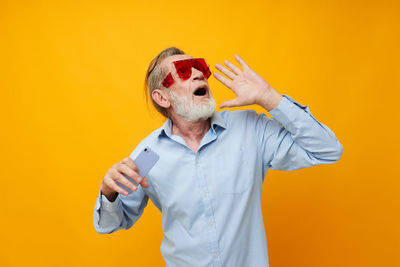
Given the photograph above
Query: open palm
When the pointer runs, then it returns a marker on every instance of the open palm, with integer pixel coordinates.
(248, 86)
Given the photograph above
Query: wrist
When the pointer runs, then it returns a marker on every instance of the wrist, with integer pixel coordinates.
(110, 195)
(270, 99)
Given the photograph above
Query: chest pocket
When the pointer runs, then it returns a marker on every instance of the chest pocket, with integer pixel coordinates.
(233, 172)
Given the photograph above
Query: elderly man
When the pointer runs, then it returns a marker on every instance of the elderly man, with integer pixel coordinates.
(208, 180)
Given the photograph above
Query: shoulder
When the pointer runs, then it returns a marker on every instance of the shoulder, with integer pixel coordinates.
(242, 117)
(148, 141)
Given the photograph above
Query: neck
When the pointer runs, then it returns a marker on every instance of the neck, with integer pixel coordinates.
(193, 131)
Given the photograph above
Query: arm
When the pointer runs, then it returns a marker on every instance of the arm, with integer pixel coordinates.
(115, 209)
(293, 139)
(122, 213)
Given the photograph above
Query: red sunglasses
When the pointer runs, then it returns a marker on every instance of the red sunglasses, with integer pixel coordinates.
(184, 70)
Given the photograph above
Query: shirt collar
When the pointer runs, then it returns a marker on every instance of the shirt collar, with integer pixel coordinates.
(216, 121)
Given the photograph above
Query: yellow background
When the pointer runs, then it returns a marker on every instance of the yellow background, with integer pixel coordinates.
(71, 79)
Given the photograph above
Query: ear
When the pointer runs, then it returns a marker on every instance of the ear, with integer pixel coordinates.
(160, 97)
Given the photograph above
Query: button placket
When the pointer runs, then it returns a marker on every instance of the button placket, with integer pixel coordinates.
(208, 212)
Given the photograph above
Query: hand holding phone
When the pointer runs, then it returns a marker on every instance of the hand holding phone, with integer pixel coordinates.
(125, 176)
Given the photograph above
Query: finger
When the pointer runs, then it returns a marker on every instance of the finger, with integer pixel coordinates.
(225, 71)
(229, 103)
(132, 165)
(241, 62)
(145, 183)
(234, 68)
(123, 168)
(133, 175)
(222, 79)
(110, 183)
(129, 161)
(118, 177)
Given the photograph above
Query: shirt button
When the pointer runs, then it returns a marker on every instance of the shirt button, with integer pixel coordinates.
(211, 224)
(215, 255)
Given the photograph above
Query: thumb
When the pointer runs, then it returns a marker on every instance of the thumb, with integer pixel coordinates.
(229, 103)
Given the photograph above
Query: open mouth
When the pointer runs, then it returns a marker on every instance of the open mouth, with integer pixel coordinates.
(200, 91)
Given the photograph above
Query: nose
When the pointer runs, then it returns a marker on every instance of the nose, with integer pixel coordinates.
(197, 75)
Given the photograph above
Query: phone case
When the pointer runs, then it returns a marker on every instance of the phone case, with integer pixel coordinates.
(146, 159)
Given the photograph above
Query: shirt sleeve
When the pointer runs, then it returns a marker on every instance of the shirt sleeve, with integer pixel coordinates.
(294, 139)
(110, 217)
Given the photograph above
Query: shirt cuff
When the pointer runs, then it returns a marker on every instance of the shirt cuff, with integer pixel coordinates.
(104, 203)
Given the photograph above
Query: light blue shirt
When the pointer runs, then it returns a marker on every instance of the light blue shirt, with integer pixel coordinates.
(211, 200)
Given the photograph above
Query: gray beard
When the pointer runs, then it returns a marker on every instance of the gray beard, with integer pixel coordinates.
(189, 111)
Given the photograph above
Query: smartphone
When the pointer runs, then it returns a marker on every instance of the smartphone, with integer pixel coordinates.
(146, 159)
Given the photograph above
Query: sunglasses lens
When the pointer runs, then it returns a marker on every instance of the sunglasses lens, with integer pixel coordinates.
(203, 67)
(183, 68)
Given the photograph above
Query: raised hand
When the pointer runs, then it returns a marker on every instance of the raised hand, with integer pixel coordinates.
(249, 87)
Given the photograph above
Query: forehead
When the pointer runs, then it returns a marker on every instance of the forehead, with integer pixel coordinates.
(167, 63)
